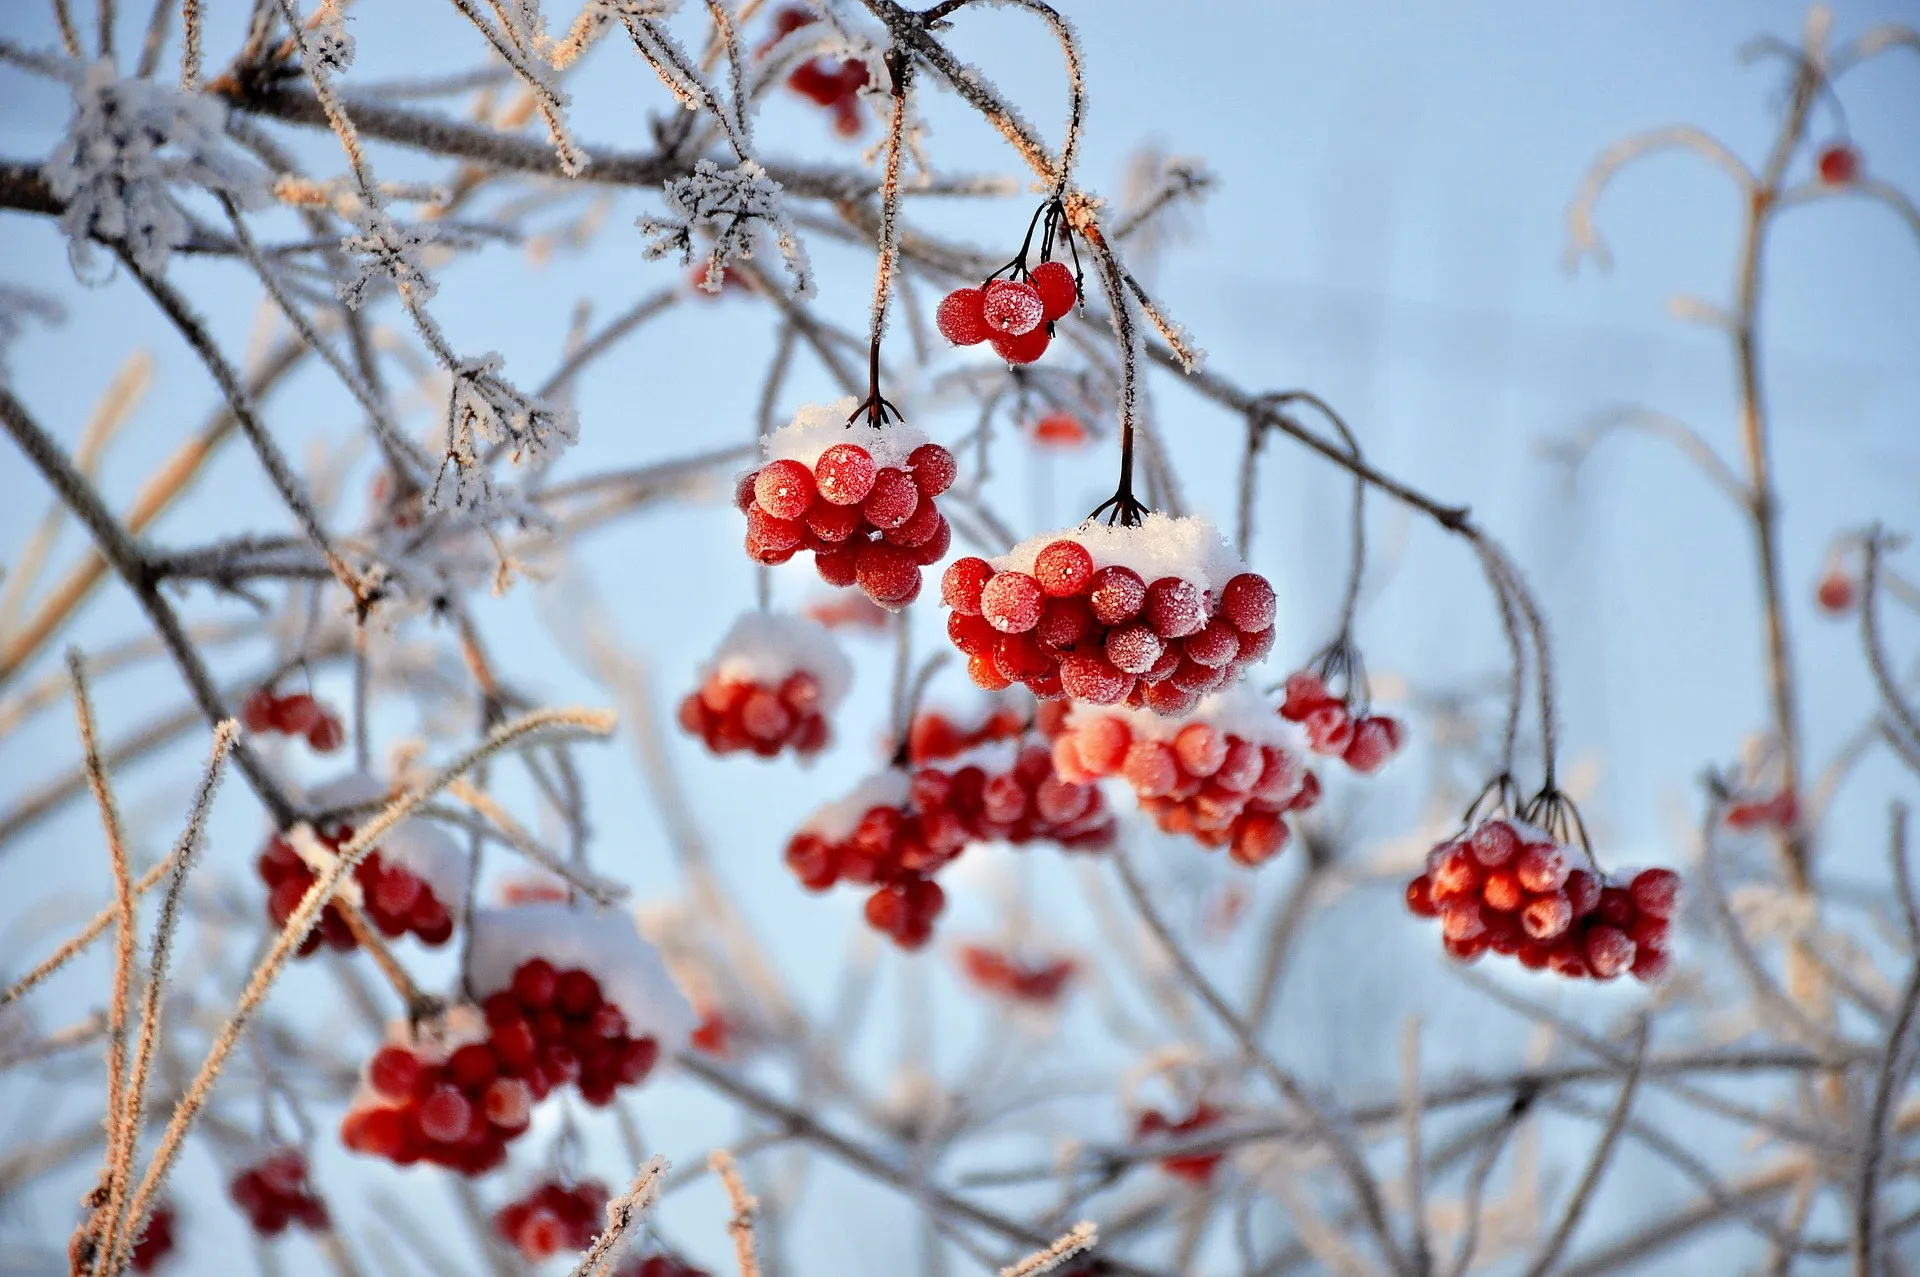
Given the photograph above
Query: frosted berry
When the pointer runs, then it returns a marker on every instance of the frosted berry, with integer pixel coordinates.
(934, 469)
(892, 500)
(1011, 602)
(784, 489)
(1305, 693)
(1214, 645)
(1060, 430)
(962, 584)
(844, 474)
(1063, 568)
(1116, 595)
(961, 317)
(1091, 678)
(1609, 952)
(887, 573)
(1022, 349)
(1375, 740)
(1175, 608)
(1133, 649)
(1656, 892)
(1012, 308)
(1329, 729)
(1247, 601)
(1053, 281)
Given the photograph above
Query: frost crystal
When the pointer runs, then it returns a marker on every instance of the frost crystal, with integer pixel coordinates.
(128, 142)
(384, 248)
(326, 46)
(731, 205)
(485, 409)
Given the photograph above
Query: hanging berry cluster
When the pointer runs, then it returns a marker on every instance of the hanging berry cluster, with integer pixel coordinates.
(552, 1217)
(404, 886)
(297, 714)
(1340, 727)
(771, 685)
(1015, 309)
(274, 1193)
(1226, 774)
(860, 500)
(457, 1108)
(934, 735)
(832, 83)
(1156, 614)
(1194, 1168)
(1004, 975)
(1510, 887)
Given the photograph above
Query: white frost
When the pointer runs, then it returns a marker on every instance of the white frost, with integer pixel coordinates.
(1189, 547)
(817, 427)
(839, 818)
(765, 647)
(605, 943)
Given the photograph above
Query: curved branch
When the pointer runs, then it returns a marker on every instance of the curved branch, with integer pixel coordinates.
(1584, 238)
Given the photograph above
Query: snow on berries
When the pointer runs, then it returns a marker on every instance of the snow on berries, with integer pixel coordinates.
(298, 714)
(1040, 983)
(569, 997)
(408, 885)
(1511, 888)
(1157, 614)
(552, 1217)
(1337, 728)
(773, 684)
(1226, 774)
(274, 1193)
(1194, 1168)
(859, 498)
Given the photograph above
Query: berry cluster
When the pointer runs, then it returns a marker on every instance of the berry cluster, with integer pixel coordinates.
(1225, 775)
(770, 687)
(828, 82)
(1507, 886)
(1363, 741)
(933, 736)
(1014, 315)
(275, 1193)
(457, 1108)
(1157, 614)
(875, 837)
(1004, 975)
(1007, 791)
(1195, 1168)
(861, 502)
(296, 715)
(395, 899)
(156, 1241)
(551, 1218)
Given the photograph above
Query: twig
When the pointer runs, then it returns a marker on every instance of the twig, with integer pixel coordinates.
(1576, 1205)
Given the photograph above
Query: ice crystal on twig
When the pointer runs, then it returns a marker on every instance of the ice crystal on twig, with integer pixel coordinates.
(486, 409)
(326, 45)
(732, 205)
(385, 248)
(129, 141)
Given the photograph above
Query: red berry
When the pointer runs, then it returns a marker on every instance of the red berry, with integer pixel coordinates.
(1305, 694)
(1656, 892)
(1329, 729)
(1093, 679)
(962, 583)
(1836, 592)
(1064, 624)
(1839, 165)
(534, 984)
(1133, 649)
(1420, 898)
(1502, 891)
(772, 534)
(784, 489)
(893, 499)
(1650, 965)
(1063, 568)
(887, 573)
(972, 634)
(1546, 916)
(507, 1104)
(295, 715)
(576, 993)
(1150, 768)
(1258, 838)
(1165, 699)
(1454, 874)
(445, 1115)
(1583, 891)
(1609, 952)
(392, 1072)
(1248, 603)
(1054, 282)
(1541, 869)
(1023, 349)
(1012, 308)
(1175, 608)
(473, 1066)
(935, 547)
(985, 673)
(1494, 843)
(962, 318)
(934, 469)
(1116, 595)
(1216, 645)
(260, 711)
(1059, 430)
(1011, 602)
(834, 523)
(844, 474)
(1102, 744)
(743, 498)
(1375, 740)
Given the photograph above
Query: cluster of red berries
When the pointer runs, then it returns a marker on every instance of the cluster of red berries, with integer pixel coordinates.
(934, 736)
(731, 715)
(1009, 792)
(866, 524)
(551, 1218)
(156, 1242)
(1004, 975)
(1104, 635)
(1363, 741)
(296, 715)
(275, 1193)
(1195, 1168)
(1506, 886)
(1198, 778)
(459, 1108)
(396, 900)
(827, 82)
(1015, 316)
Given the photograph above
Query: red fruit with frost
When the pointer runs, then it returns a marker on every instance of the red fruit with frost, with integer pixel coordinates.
(1547, 916)
(1012, 308)
(1329, 729)
(1088, 677)
(1133, 649)
(1541, 869)
(1102, 744)
(1656, 892)
(892, 500)
(887, 573)
(1420, 900)
(933, 468)
(1011, 602)
(962, 583)
(1175, 608)
(784, 489)
(1063, 569)
(962, 318)
(1116, 595)
(1609, 952)
(1838, 165)
(1216, 645)
(1023, 349)
(1375, 741)
(1247, 602)
(837, 566)
(1305, 694)
(844, 474)
(1053, 281)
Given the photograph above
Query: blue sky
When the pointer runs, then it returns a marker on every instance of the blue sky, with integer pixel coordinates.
(1387, 230)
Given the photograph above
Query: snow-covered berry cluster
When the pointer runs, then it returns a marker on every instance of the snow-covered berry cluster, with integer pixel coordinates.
(297, 714)
(1007, 791)
(861, 499)
(1157, 614)
(1195, 1168)
(1507, 886)
(591, 1013)
(274, 1193)
(1015, 315)
(1037, 983)
(833, 83)
(156, 1241)
(1226, 774)
(1336, 728)
(772, 685)
(552, 1217)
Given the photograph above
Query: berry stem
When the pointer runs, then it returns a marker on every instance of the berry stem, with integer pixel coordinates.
(899, 68)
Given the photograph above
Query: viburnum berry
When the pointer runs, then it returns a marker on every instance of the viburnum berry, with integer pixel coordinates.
(1195, 1168)
(1063, 569)
(298, 714)
(274, 1193)
(1011, 602)
(933, 469)
(1059, 430)
(156, 1241)
(843, 475)
(1053, 281)
(400, 884)
(1012, 308)
(1337, 726)
(961, 317)
(1838, 165)
(1022, 348)
(1837, 591)
(784, 489)
(1027, 983)
(552, 1217)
